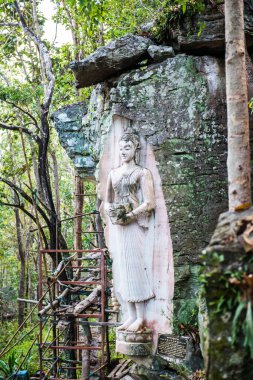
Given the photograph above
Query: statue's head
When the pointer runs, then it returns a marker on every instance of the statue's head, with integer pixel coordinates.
(129, 144)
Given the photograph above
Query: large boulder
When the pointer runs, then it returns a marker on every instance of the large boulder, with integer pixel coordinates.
(110, 60)
(211, 39)
(160, 53)
(205, 33)
(68, 123)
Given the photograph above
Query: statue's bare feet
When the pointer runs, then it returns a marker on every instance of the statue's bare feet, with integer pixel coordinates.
(138, 325)
(125, 325)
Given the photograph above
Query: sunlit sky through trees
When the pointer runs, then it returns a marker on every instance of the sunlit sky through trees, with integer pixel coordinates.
(53, 29)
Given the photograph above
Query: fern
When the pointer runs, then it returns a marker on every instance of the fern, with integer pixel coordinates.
(248, 329)
(4, 368)
(9, 366)
(238, 312)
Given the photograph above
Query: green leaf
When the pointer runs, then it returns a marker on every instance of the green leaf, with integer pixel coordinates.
(248, 329)
(238, 311)
(4, 368)
(12, 360)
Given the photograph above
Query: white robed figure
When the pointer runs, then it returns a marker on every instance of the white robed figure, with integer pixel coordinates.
(130, 204)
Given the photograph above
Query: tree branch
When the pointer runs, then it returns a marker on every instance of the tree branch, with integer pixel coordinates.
(22, 208)
(44, 56)
(38, 198)
(18, 128)
(81, 306)
(27, 198)
(9, 24)
(5, 78)
(24, 111)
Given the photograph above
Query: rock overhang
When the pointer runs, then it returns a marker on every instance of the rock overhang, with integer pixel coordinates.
(110, 60)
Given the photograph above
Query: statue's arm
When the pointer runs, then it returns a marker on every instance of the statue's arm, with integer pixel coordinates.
(109, 193)
(148, 194)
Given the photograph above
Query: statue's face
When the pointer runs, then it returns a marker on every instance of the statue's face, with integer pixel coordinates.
(127, 150)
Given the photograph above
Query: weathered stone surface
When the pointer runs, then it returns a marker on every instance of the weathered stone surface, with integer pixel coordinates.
(134, 337)
(221, 264)
(178, 106)
(147, 27)
(210, 40)
(160, 53)
(206, 33)
(69, 118)
(133, 349)
(110, 60)
(248, 17)
(141, 372)
(137, 344)
(68, 123)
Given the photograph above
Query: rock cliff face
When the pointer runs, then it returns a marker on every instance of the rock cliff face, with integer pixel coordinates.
(226, 259)
(178, 106)
(68, 123)
(204, 33)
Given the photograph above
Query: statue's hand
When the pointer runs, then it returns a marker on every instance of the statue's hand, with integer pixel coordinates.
(107, 207)
(120, 213)
(127, 219)
(121, 222)
(130, 217)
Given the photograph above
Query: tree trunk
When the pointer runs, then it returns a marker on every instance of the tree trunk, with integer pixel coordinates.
(21, 254)
(70, 336)
(99, 227)
(238, 162)
(86, 353)
(35, 171)
(79, 189)
(56, 185)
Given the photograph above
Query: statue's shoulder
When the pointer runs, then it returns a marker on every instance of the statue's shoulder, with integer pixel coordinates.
(138, 171)
(145, 171)
(146, 176)
(114, 171)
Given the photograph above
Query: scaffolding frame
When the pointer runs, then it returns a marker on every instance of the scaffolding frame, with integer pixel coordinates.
(56, 312)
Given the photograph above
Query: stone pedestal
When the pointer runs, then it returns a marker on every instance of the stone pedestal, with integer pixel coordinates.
(134, 343)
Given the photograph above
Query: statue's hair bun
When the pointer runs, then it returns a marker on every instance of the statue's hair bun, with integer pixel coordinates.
(133, 137)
